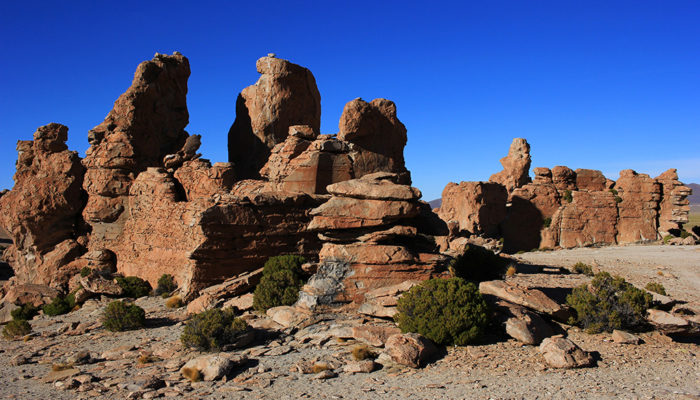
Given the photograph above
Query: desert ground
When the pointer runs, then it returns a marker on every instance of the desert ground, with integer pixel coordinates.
(498, 368)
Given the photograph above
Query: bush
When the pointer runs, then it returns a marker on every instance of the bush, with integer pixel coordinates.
(567, 196)
(547, 222)
(192, 374)
(85, 271)
(134, 286)
(668, 238)
(213, 329)
(512, 270)
(582, 268)
(478, 264)
(685, 234)
(656, 288)
(166, 285)
(447, 311)
(174, 302)
(121, 316)
(280, 284)
(16, 328)
(25, 312)
(608, 303)
(60, 305)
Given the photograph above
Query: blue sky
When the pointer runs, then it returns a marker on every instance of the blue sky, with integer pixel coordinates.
(606, 85)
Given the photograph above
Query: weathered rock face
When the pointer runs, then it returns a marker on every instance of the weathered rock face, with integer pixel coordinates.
(473, 207)
(516, 166)
(378, 135)
(591, 218)
(146, 124)
(542, 176)
(638, 197)
(530, 213)
(284, 95)
(42, 211)
(674, 206)
(564, 178)
(591, 180)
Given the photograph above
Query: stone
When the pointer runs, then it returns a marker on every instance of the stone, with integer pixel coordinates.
(639, 197)
(521, 324)
(285, 95)
(55, 376)
(288, 316)
(590, 219)
(47, 193)
(214, 366)
(564, 178)
(377, 135)
(623, 337)
(96, 284)
(516, 166)
(364, 366)
(18, 360)
(674, 206)
(374, 335)
(325, 374)
(590, 180)
(6, 309)
(542, 176)
(242, 303)
(560, 352)
(673, 323)
(347, 213)
(533, 299)
(473, 208)
(410, 349)
(532, 207)
(374, 187)
(79, 358)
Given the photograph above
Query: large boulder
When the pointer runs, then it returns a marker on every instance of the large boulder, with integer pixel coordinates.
(561, 352)
(411, 349)
(591, 180)
(473, 208)
(638, 197)
(564, 178)
(42, 211)
(516, 166)
(285, 95)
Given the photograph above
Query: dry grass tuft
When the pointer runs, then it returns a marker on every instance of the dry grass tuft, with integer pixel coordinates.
(362, 352)
(174, 302)
(511, 270)
(320, 366)
(192, 374)
(61, 367)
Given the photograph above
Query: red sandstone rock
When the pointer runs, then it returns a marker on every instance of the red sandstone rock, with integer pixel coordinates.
(560, 352)
(542, 176)
(516, 166)
(285, 95)
(674, 206)
(378, 135)
(410, 349)
(638, 198)
(42, 212)
(591, 180)
(30, 293)
(201, 180)
(474, 208)
(564, 178)
(531, 210)
(591, 218)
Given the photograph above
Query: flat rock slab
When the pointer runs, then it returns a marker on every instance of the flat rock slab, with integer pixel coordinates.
(526, 297)
(522, 324)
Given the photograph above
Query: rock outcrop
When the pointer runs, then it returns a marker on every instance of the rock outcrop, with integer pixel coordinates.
(674, 205)
(42, 211)
(638, 198)
(285, 95)
(473, 208)
(516, 166)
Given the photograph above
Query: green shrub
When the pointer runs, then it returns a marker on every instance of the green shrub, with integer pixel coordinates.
(685, 234)
(567, 196)
(447, 311)
(547, 222)
(25, 312)
(668, 238)
(656, 288)
(60, 305)
(582, 268)
(613, 191)
(608, 303)
(121, 316)
(213, 329)
(16, 328)
(134, 286)
(166, 285)
(478, 264)
(280, 284)
(85, 271)
(618, 199)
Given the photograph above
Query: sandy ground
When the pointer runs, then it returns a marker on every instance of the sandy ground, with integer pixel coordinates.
(499, 368)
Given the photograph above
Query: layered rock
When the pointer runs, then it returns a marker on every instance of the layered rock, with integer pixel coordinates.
(674, 206)
(285, 95)
(589, 219)
(529, 215)
(516, 166)
(638, 198)
(564, 178)
(473, 208)
(378, 135)
(42, 212)
(591, 180)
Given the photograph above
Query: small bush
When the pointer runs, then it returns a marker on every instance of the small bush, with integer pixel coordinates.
(656, 288)
(362, 352)
(147, 359)
(61, 366)
(685, 234)
(618, 199)
(16, 328)
(478, 264)
(192, 374)
(511, 270)
(320, 367)
(608, 303)
(60, 305)
(280, 284)
(567, 196)
(668, 238)
(134, 286)
(582, 268)
(547, 222)
(447, 311)
(25, 312)
(166, 285)
(613, 191)
(174, 302)
(85, 271)
(213, 329)
(121, 316)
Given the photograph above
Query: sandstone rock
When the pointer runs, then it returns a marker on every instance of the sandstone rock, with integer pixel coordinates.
(242, 303)
(410, 349)
(639, 197)
(674, 206)
(378, 135)
(375, 186)
(560, 352)
(6, 309)
(36, 295)
(374, 335)
(201, 180)
(382, 302)
(521, 324)
(591, 218)
(285, 95)
(214, 366)
(673, 323)
(473, 208)
(54, 376)
(47, 193)
(98, 285)
(323, 375)
(564, 178)
(532, 207)
(288, 316)
(623, 337)
(364, 366)
(591, 180)
(347, 212)
(516, 166)
(527, 297)
(542, 176)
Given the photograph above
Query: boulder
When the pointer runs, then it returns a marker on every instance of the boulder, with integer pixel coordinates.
(364, 366)
(564, 178)
(542, 176)
(590, 180)
(214, 366)
(623, 337)
(590, 219)
(285, 95)
(96, 284)
(288, 316)
(374, 335)
(521, 324)
(516, 166)
(30, 293)
(527, 297)
(673, 323)
(638, 198)
(473, 208)
(560, 352)
(410, 349)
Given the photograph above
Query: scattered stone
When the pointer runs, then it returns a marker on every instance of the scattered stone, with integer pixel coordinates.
(410, 349)
(526, 297)
(521, 324)
(325, 374)
(214, 366)
(673, 323)
(560, 352)
(54, 376)
(623, 337)
(363, 366)
(374, 335)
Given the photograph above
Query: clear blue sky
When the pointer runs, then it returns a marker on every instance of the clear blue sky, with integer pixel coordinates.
(597, 84)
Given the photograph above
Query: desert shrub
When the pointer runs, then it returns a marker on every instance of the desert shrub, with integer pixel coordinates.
(174, 302)
(134, 286)
(192, 374)
(60, 305)
(61, 366)
(25, 312)
(362, 352)
(582, 268)
(547, 222)
(85, 271)
(147, 359)
(121, 316)
(166, 285)
(512, 270)
(213, 329)
(608, 303)
(618, 199)
(613, 191)
(685, 234)
(656, 288)
(320, 367)
(16, 328)
(280, 284)
(567, 196)
(478, 264)
(447, 311)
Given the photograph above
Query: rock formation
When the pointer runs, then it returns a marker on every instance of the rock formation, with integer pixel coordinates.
(42, 211)
(285, 95)
(674, 205)
(638, 201)
(516, 166)
(473, 208)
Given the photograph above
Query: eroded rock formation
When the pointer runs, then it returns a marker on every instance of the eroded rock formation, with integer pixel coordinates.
(473, 208)
(674, 205)
(516, 166)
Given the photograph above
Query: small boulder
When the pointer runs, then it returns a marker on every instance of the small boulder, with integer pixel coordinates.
(560, 352)
(213, 366)
(364, 366)
(374, 335)
(623, 337)
(410, 349)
